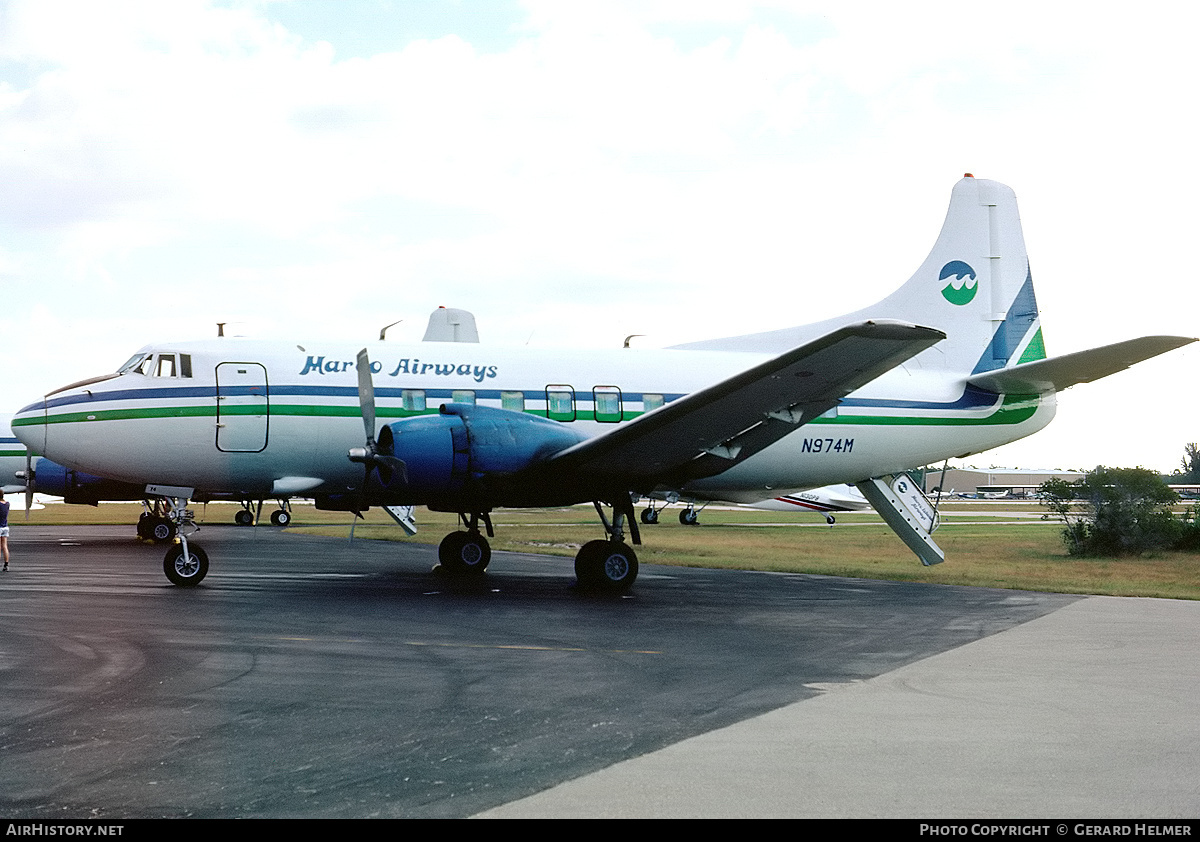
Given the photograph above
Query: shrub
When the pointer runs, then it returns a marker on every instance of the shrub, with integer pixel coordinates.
(1125, 511)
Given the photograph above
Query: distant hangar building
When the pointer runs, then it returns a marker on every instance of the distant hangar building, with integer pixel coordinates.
(995, 482)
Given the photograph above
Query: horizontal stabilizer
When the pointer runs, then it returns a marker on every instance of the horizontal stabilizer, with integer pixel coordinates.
(902, 505)
(1058, 373)
(712, 429)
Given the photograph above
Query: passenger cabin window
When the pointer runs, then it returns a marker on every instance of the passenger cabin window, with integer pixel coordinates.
(560, 403)
(650, 401)
(608, 403)
(463, 396)
(512, 401)
(413, 400)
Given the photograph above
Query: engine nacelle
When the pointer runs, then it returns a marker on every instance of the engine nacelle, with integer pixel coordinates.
(462, 456)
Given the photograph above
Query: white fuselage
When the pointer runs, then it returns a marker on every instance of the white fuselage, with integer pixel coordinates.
(265, 419)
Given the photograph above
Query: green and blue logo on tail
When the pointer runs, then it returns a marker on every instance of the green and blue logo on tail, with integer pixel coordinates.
(965, 292)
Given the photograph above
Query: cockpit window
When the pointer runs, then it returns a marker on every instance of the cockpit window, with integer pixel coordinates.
(131, 363)
(159, 365)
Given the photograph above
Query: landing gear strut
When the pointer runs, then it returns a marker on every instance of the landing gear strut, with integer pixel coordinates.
(185, 564)
(610, 565)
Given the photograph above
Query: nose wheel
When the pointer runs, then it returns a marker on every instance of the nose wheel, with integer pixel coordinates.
(186, 564)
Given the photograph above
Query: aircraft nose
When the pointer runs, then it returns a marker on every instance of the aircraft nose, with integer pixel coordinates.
(29, 426)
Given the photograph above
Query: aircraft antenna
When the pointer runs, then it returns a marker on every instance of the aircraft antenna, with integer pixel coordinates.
(383, 329)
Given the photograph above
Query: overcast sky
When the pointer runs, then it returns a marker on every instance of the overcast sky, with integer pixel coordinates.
(573, 172)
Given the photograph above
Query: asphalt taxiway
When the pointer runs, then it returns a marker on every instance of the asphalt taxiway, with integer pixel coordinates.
(307, 677)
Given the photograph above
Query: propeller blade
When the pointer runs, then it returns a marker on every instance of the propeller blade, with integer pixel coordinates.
(388, 461)
(389, 466)
(366, 396)
(30, 483)
(374, 454)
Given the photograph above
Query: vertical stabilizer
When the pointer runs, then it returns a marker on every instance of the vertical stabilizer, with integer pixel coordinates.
(975, 286)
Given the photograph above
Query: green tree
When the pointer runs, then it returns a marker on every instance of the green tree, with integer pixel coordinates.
(1189, 468)
(1115, 511)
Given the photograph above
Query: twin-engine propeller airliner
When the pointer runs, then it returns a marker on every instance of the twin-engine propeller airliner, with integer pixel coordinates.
(952, 363)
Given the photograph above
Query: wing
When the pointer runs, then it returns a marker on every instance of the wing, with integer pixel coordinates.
(1058, 373)
(711, 430)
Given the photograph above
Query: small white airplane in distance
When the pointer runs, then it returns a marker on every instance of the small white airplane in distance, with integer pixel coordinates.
(951, 364)
(826, 501)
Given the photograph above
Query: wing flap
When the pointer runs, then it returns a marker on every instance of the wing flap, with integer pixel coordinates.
(1058, 373)
(712, 429)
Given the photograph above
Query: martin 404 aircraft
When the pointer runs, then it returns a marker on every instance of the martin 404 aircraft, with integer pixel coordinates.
(952, 363)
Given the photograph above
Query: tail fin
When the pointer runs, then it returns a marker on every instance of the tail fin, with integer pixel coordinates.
(975, 286)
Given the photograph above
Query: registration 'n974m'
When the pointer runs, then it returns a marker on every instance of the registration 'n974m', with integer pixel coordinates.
(827, 446)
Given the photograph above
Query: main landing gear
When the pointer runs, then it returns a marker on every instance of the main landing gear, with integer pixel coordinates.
(247, 517)
(609, 565)
(467, 553)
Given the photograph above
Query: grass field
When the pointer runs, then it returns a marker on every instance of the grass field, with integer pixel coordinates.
(991, 544)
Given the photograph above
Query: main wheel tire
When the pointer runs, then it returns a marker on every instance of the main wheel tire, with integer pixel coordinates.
(280, 517)
(186, 572)
(144, 530)
(606, 565)
(649, 516)
(688, 517)
(244, 518)
(464, 552)
(161, 529)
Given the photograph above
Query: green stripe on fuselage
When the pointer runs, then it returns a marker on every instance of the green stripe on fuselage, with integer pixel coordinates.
(1013, 410)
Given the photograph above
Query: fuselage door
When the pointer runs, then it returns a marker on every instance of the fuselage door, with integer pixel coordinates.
(243, 407)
